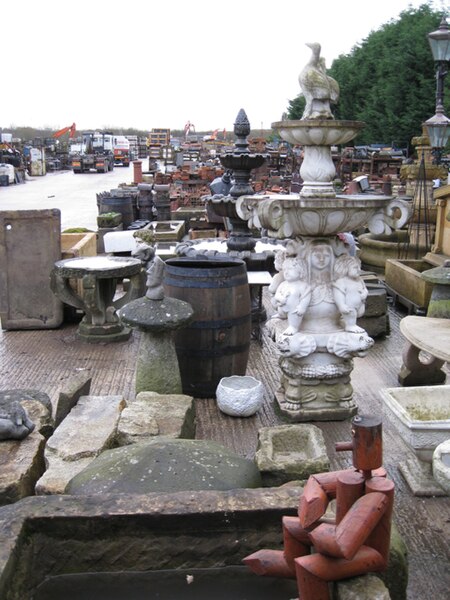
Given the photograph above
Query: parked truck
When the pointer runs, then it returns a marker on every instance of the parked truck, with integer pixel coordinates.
(121, 150)
(95, 151)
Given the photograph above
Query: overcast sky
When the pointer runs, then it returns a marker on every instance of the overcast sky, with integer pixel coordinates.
(147, 63)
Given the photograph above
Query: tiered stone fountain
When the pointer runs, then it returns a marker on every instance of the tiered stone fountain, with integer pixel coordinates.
(319, 290)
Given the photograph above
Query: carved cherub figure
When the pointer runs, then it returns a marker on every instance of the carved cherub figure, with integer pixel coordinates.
(349, 291)
(293, 294)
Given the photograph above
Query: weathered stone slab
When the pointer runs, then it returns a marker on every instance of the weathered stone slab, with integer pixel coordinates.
(165, 465)
(79, 385)
(28, 252)
(88, 430)
(22, 464)
(290, 453)
(171, 415)
(366, 587)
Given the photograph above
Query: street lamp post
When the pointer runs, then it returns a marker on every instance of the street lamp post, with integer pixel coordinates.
(438, 127)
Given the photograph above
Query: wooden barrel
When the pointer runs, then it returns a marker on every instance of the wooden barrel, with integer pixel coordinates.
(216, 344)
(123, 205)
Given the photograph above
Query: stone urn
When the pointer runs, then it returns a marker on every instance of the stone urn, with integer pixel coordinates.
(239, 396)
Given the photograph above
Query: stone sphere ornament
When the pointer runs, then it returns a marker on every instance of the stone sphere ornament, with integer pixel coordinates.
(239, 396)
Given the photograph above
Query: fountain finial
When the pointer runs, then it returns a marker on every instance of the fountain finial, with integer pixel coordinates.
(242, 124)
(318, 88)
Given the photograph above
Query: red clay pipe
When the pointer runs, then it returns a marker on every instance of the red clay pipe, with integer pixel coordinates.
(355, 528)
(381, 536)
(343, 446)
(350, 487)
(295, 541)
(313, 503)
(367, 560)
(270, 563)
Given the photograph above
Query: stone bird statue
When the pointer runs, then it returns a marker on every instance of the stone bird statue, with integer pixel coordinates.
(317, 87)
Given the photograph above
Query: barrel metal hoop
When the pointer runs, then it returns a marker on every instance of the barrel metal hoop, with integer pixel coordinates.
(220, 324)
(213, 352)
(201, 283)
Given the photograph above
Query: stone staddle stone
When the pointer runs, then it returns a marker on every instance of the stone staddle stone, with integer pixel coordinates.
(439, 305)
(157, 316)
(165, 465)
(157, 367)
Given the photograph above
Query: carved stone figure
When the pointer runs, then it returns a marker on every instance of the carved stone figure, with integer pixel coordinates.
(293, 294)
(319, 291)
(346, 344)
(349, 291)
(155, 275)
(145, 253)
(317, 87)
(15, 423)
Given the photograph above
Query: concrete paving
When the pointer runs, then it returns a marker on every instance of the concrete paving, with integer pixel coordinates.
(74, 195)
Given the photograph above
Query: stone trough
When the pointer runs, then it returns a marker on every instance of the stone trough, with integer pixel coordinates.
(421, 415)
(290, 452)
(131, 535)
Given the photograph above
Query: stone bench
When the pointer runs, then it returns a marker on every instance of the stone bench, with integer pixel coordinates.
(424, 334)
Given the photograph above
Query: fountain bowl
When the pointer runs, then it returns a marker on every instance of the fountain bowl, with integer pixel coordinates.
(312, 132)
(421, 415)
(290, 215)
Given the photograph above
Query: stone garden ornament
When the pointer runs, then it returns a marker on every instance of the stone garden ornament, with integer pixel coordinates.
(15, 423)
(318, 293)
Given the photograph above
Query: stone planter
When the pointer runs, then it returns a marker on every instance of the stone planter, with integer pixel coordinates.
(167, 230)
(421, 415)
(290, 452)
(404, 278)
(74, 245)
(239, 396)
(375, 250)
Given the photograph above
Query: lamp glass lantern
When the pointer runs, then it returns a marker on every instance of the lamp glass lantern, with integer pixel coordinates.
(438, 129)
(440, 42)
